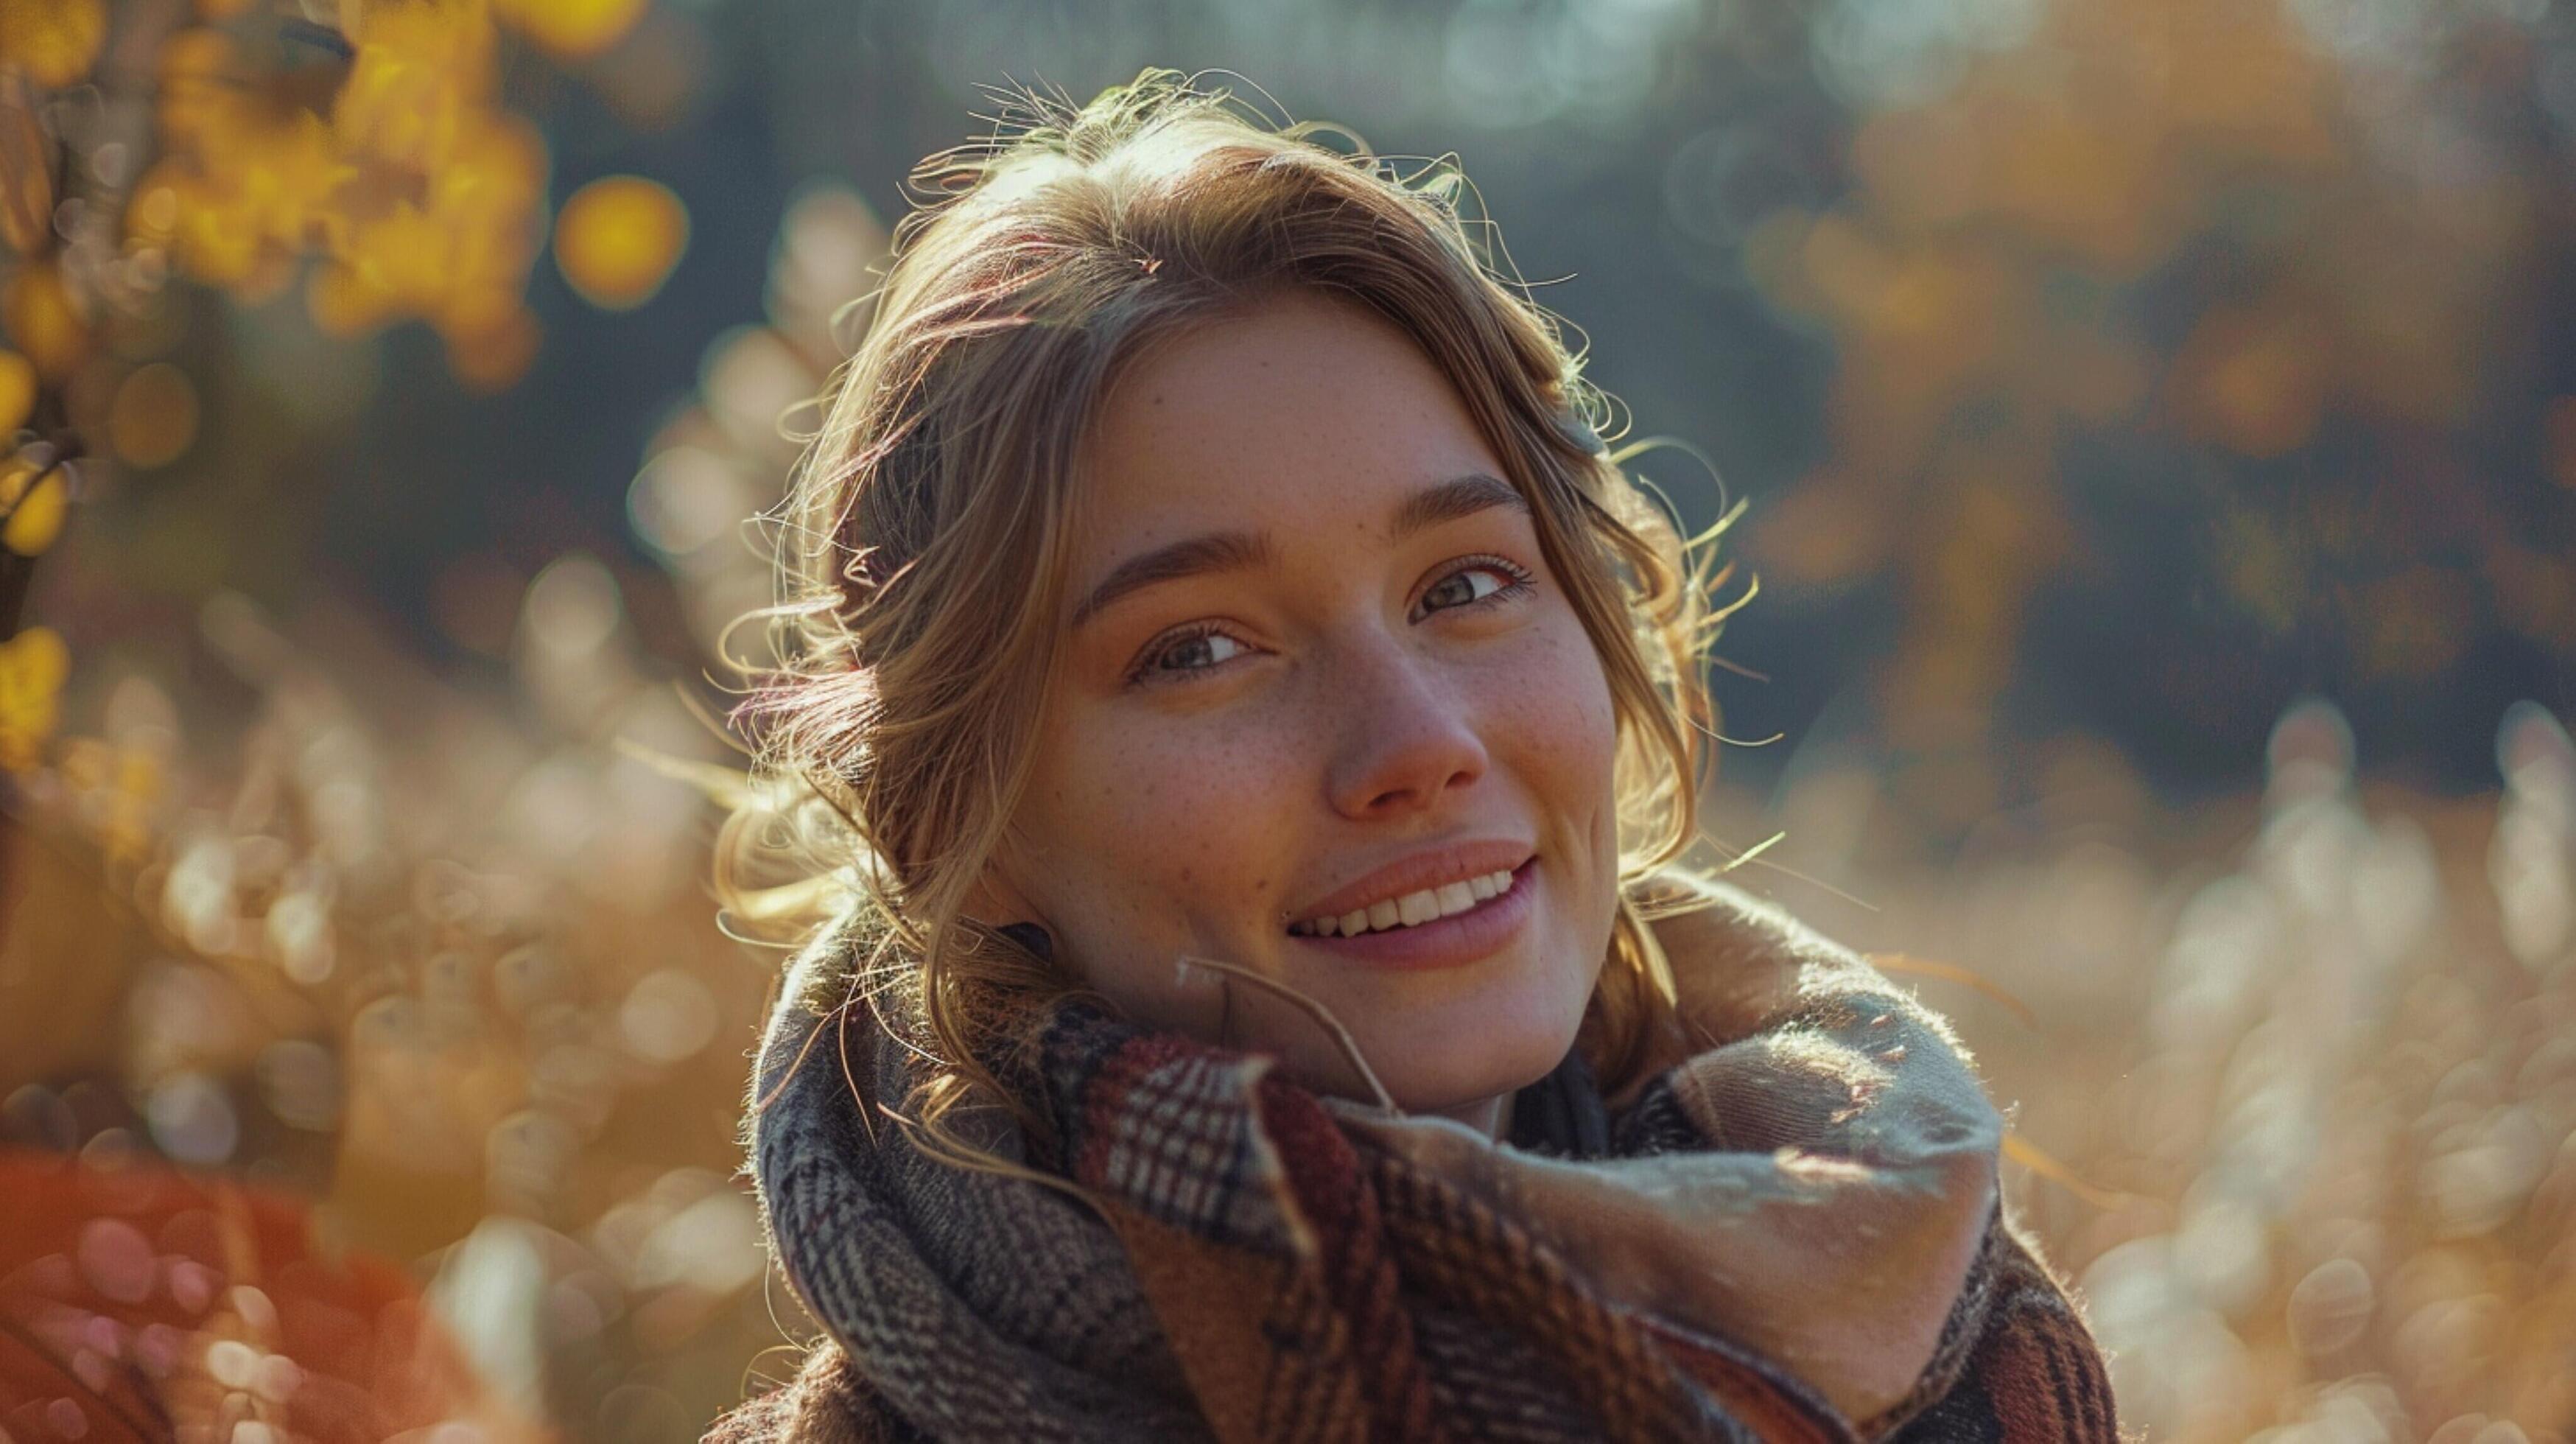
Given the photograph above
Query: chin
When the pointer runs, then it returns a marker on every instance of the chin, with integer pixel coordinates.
(1435, 1064)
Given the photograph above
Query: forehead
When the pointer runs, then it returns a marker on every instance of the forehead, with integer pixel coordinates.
(1298, 409)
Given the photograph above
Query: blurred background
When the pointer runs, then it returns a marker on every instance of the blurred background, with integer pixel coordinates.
(2156, 427)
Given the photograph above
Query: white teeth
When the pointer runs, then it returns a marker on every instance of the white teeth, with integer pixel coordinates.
(1410, 910)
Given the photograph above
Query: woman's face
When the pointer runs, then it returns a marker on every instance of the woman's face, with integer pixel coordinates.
(1320, 683)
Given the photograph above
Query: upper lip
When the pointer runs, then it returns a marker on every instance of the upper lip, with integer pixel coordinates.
(1430, 868)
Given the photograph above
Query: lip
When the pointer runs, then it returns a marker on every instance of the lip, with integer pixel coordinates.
(1456, 862)
(1443, 942)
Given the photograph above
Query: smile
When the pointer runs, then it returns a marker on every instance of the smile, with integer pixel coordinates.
(1412, 909)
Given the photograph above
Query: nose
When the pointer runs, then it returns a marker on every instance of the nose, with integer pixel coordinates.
(1403, 738)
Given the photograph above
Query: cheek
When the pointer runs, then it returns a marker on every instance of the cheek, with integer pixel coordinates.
(1146, 831)
(1553, 716)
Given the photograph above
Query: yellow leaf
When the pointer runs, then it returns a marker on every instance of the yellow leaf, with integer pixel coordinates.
(26, 169)
(53, 41)
(571, 28)
(198, 109)
(219, 244)
(44, 320)
(33, 665)
(407, 253)
(343, 302)
(618, 239)
(38, 517)
(17, 390)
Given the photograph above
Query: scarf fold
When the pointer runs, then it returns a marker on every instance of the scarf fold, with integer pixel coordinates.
(1790, 1232)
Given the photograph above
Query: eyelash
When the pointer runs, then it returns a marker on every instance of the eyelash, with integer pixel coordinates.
(1518, 583)
(1517, 579)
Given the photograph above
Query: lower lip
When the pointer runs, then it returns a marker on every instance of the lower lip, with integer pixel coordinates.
(1443, 942)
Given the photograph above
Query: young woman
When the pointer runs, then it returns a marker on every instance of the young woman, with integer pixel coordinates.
(1263, 724)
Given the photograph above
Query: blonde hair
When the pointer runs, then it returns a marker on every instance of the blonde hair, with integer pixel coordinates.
(923, 541)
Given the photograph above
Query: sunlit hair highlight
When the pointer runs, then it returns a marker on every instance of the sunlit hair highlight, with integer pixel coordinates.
(923, 545)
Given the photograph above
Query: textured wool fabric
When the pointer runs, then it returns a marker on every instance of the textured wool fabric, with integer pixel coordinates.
(1790, 1232)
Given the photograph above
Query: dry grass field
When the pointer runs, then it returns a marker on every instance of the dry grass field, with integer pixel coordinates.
(2293, 1076)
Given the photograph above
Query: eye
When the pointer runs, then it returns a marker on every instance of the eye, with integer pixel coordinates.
(1177, 656)
(1480, 579)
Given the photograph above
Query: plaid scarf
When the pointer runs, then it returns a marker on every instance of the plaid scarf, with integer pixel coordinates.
(1792, 1235)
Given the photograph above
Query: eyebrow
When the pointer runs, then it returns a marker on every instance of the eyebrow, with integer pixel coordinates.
(1225, 551)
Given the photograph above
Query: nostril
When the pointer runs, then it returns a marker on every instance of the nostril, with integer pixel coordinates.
(1408, 743)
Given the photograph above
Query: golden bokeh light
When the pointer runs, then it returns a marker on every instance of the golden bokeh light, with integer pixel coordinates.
(153, 419)
(2114, 374)
(345, 302)
(53, 41)
(36, 518)
(618, 238)
(17, 390)
(572, 29)
(43, 320)
(196, 105)
(414, 194)
(33, 665)
(26, 174)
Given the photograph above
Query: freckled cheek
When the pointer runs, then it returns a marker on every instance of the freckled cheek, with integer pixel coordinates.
(1551, 715)
(1181, 829)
